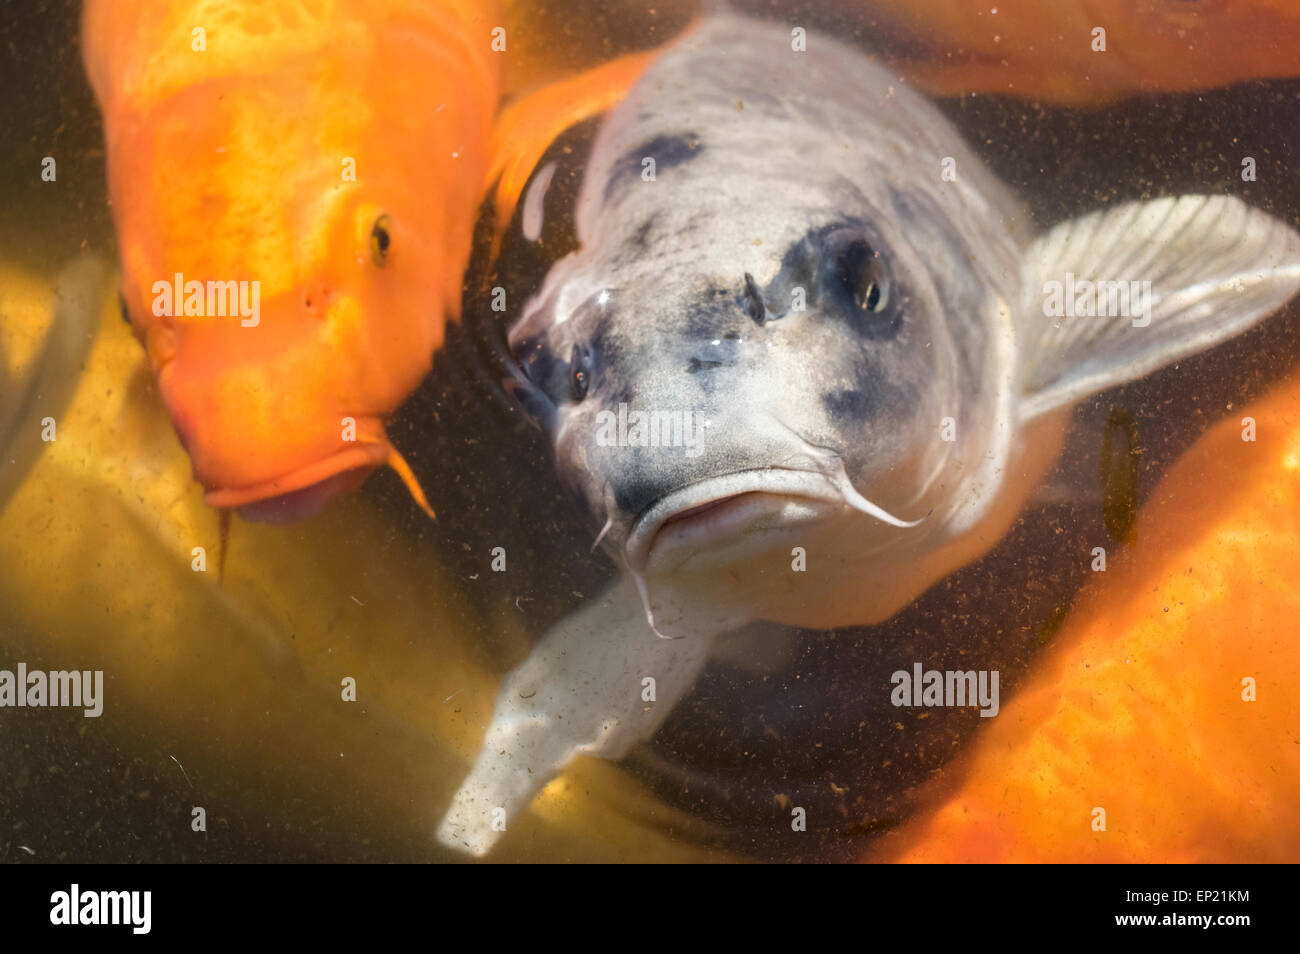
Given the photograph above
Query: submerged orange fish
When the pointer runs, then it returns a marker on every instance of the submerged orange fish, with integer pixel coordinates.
(327, 158)
(1049, 51)
(1163, 725)
(294, 190)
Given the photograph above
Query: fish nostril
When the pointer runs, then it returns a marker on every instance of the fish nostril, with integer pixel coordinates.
(753, 301)
(316, 299)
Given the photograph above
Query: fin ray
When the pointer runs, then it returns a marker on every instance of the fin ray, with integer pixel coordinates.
(398, 463)
(527, 127)
(1215, 266)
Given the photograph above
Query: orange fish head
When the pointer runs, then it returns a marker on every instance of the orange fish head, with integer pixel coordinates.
(322, 164)
(280, 401)
(285, 307)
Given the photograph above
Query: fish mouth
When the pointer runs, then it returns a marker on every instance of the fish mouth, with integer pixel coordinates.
(305, 502)
(728, 510)
(303, 492)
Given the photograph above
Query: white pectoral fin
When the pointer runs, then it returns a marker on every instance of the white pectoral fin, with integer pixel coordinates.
(1193, 271)
(580, 691)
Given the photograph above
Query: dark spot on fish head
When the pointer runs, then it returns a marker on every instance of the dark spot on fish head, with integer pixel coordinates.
(825, 340)
(561, 362)
(641, 237)
(666, 152)
(709, 310)
(562, 378)
(852, 349)
(847, 403)
(696, 365)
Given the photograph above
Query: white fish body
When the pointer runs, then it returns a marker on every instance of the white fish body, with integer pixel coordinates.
(891, 428)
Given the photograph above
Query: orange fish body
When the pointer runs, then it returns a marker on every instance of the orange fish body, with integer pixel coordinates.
(1168, 699)
(334, 154)
(1048, 51)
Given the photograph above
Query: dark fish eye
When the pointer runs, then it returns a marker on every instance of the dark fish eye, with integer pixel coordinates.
(580, 367)
(861, 276)
(380, 240)
(121, 303)
(855, 277)
(874, 299)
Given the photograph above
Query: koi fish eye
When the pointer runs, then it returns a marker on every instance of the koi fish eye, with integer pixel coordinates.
(121, 304)
(380, 239)
(857, 276)
(580, 367)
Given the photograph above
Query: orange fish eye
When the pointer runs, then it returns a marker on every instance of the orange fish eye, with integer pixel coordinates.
(380, 240)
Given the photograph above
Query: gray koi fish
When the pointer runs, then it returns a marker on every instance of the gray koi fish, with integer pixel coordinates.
(808, 360)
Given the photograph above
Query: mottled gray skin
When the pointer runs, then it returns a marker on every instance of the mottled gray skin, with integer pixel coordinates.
(656, 304)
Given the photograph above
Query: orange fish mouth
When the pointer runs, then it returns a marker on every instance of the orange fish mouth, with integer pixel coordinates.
(306, 502)
(305, 491)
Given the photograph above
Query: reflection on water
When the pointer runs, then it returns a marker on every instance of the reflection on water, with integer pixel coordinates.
(230, 697)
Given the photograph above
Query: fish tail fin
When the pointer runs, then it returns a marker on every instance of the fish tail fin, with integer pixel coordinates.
(396, 461)
(527, 127)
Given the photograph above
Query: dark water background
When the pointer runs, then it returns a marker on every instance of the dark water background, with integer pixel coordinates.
(77, 789)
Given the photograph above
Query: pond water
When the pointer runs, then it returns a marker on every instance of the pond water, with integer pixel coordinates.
(228, 694)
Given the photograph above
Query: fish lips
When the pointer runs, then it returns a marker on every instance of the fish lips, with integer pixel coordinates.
(732, 515)
(305, 491)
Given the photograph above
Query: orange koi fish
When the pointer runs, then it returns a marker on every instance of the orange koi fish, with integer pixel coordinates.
(1163, 725)
(1051, 52)
(294, 188)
